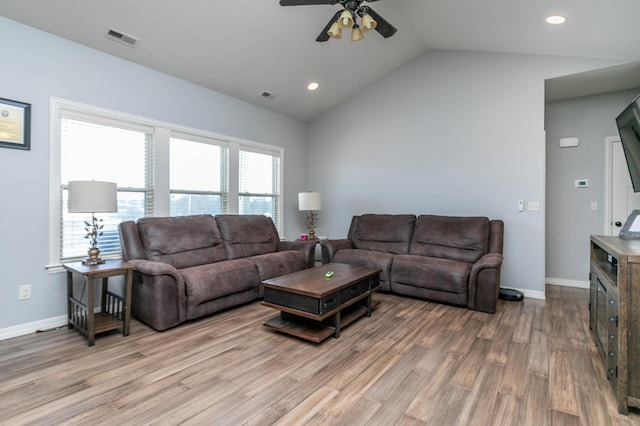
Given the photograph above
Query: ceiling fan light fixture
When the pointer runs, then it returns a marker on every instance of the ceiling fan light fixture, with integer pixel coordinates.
(368, 24)
(335, 31)
(346, 20)
(356, 33)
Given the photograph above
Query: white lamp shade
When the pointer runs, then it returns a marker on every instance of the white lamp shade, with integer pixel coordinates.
(309, 201)
(90, 196)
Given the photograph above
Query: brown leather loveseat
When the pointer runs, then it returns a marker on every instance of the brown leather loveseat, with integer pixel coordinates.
(446, 259)
(191, 266)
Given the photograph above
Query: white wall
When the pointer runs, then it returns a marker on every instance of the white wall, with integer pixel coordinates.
(38, 66)
(452, 133)
(570, 220)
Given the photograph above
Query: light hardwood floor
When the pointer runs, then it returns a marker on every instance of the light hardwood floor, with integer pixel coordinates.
(411, 363)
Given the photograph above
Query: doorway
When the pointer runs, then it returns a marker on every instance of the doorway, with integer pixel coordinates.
(619, 196)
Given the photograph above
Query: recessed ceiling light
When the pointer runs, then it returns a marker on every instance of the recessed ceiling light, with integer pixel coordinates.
(556, 19)
(313, 86)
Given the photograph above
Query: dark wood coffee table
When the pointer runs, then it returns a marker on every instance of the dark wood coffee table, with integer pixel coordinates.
(314, 307)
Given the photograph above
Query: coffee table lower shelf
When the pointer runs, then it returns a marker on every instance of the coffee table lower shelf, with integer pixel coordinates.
(315, 331)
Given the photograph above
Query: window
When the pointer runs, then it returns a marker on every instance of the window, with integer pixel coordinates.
(198, 177)
(161, 169)
(259, 183)
(112, 153)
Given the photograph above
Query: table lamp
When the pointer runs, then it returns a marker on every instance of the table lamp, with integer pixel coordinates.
(310, 201)
(93, 197)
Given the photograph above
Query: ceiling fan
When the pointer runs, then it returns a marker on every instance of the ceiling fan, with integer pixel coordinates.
(346, 19)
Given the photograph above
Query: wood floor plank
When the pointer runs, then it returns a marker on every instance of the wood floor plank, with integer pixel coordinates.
(427, 399)
(499, 350)
(508, 411)
(562, 388)
(539, 354)
(412, 362)
(535, 410)
(473, 361)
(479, 407)
(515, 370)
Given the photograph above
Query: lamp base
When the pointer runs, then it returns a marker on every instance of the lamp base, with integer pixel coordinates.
(90, 262)
(94, 257)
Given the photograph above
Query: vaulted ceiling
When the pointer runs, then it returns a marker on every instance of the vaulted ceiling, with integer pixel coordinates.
(244, 48)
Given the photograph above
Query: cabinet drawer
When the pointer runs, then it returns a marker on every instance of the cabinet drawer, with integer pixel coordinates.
(328, 303)
(353, 291)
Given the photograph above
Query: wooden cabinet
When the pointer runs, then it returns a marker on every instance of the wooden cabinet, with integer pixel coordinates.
(614, 314)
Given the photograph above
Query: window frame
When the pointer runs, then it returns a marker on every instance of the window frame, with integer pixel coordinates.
(161, 133)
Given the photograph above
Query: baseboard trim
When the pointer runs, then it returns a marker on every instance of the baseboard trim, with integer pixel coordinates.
(567, 283)
(33, 327)
(531, 294)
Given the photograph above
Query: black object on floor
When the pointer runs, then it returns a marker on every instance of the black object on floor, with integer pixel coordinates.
(511, 295)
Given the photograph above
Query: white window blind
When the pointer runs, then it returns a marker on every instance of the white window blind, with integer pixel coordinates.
(260, 183)
(103, 150)
(198, 177)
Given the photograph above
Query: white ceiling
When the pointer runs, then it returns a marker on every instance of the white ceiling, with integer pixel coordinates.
(245, 47)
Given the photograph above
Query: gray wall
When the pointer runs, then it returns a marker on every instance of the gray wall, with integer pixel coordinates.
(38, 66)
(449, 133)
(570, 220)
(453, 133)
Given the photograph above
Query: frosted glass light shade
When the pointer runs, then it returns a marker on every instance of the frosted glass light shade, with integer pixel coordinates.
(90, 196)
(356, 33)
(335, 31)
(309, 201)
(345, 20)
(368, 24)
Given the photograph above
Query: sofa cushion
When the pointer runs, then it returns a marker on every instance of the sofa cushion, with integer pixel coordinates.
(247, 235)
(215, 280)
(448, 237)
(271, 265)
(384, 232)
(429, 272)
(373, 259)
(182, 241)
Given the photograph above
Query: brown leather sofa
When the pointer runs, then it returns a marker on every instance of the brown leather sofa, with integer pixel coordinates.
(191, 266)
(446, 259)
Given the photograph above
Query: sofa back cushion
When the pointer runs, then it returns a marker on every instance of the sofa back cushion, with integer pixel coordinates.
(182, 241)
(247, 235)
(383, 232)
(448, 237)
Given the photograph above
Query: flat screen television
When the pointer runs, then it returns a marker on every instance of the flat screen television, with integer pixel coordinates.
(629, 129)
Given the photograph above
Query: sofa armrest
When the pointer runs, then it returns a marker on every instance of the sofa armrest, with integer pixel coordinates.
(308, 249)
(151, 267)
(484, 283)
(331, 247)
(159, 296)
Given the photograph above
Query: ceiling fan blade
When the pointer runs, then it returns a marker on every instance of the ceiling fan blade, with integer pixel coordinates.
(384, 28)
(323, 35)
(305, 2)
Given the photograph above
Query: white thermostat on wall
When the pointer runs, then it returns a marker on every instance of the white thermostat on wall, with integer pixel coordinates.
(582, 183)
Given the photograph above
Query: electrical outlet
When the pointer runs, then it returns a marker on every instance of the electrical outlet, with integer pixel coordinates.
(24, 292)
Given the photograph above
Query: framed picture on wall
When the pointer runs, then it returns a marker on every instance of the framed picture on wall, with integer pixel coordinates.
(15, 124)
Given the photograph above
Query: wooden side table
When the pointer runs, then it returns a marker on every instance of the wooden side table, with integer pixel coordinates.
(115, 310)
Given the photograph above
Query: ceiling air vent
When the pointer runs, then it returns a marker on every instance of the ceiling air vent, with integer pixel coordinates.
(123, 38)
(267, 95)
